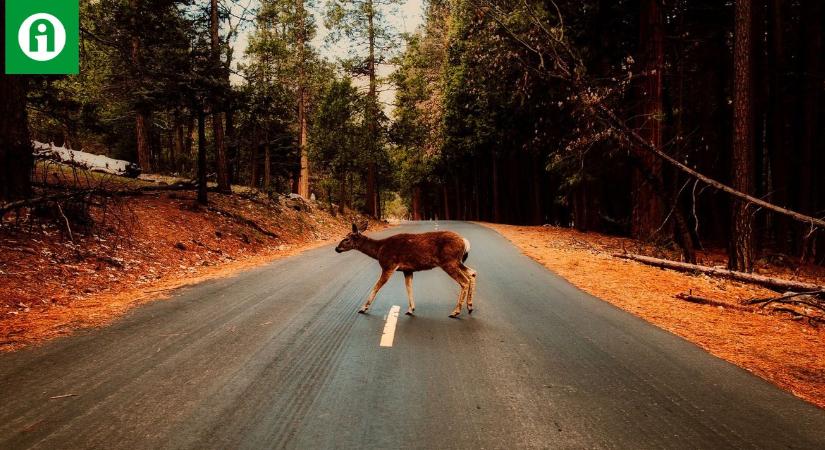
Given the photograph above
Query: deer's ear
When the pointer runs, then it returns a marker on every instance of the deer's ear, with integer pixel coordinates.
(354, 228)
(366, 225)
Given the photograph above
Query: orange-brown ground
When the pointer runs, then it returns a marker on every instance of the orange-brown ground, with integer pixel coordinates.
(790, 354)
(151, 244)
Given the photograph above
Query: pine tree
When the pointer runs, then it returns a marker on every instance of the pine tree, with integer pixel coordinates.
(364, 24)
(741, 242)
(15, 147)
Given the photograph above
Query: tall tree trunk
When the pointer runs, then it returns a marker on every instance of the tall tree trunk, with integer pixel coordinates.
(741, 242)
(416, 203)
(144, 155)
(202, 196)
(647, 213)
(812, 23)
(303, 176)
(16, 160)
(581, 213)
(372, 117)
(217, 120)
(142, 136)
(170, 144)
(779, 145)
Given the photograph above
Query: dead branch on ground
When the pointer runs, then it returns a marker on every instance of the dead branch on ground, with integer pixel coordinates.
(804, 305)
(689, 297)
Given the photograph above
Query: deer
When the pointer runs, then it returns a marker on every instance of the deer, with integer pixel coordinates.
(414, 252)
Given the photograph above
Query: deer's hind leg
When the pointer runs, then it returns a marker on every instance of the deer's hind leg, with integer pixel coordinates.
(385, 275)
(408, 278)
(471, 289)
(463, 281)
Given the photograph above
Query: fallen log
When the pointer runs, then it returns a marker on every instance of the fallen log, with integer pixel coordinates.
(776, 284)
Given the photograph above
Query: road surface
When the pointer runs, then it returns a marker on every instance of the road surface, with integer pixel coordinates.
(277, 357)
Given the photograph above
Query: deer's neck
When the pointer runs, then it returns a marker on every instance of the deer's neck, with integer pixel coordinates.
(369, 247)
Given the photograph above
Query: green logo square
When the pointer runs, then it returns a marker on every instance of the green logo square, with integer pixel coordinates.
(42, 36)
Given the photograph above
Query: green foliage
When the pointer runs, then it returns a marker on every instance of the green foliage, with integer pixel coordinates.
(337, 138)
(350, 22)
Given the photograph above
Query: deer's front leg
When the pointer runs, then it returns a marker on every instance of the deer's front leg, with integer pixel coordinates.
(385, 275)
(408, 277)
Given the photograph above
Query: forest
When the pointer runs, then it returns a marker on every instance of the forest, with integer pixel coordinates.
(549, 112)
(620, 201)
(688, 124)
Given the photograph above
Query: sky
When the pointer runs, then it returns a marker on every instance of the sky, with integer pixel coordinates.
(410, 16)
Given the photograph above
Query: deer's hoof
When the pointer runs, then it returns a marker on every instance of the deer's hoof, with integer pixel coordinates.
(362, 311)
(454, 316)
(409, 313)
(469, 310)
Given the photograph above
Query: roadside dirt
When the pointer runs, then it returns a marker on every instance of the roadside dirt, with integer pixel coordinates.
(788, 353)
(52, 283)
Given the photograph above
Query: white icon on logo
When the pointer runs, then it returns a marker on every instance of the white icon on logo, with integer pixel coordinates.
(45, 41)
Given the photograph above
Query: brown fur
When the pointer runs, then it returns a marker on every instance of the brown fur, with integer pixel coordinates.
(410, 253)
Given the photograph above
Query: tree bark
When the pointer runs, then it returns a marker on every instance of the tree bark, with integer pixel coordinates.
(217, 119)
(779, 144)
(142, 137)
(416, 203)
(812, 22)
(372, 117)
(741, 250)
(202, 196)
(303, 176)
(144, 154)
(221, 163)
(648, 213)
(16, 160)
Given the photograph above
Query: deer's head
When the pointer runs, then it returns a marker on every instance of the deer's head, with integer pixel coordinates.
(352, 240)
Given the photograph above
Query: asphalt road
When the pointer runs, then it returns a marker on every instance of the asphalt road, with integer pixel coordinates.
(277, 357)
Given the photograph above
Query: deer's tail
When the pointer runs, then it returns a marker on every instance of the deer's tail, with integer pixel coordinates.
(466, 249)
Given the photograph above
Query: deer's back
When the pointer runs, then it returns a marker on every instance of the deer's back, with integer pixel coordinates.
(421, 251)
